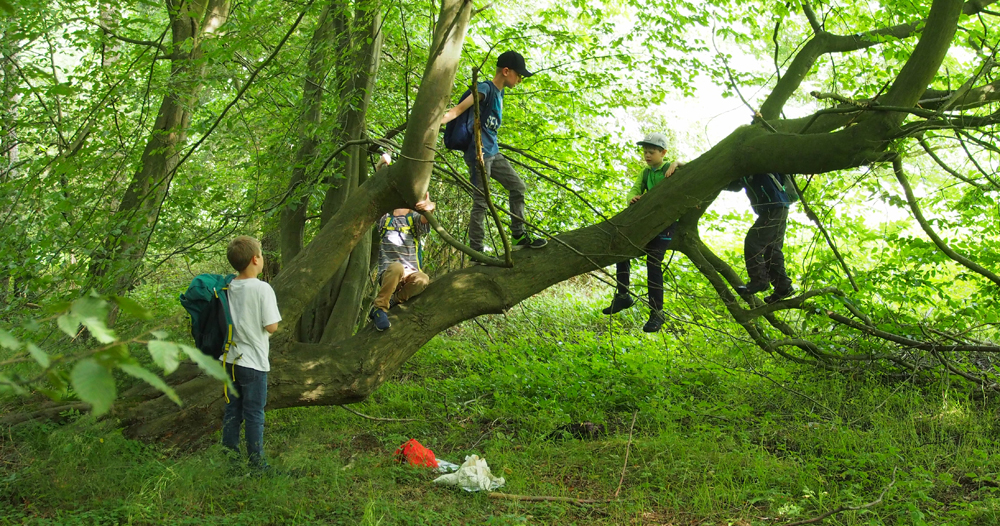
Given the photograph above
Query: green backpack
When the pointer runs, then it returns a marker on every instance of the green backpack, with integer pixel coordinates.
(207, 302)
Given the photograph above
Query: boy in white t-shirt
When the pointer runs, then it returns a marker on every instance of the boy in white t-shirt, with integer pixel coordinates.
(255, 316)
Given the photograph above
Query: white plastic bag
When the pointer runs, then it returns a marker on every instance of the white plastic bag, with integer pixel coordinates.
(472, 475)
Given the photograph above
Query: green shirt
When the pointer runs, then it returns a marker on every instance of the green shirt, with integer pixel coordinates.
(652, 176)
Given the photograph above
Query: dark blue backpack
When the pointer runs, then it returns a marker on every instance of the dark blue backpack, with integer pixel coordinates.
(458, 133)
(207, 301)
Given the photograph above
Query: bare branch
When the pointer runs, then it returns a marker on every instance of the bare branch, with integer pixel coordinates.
(908, 342)
(149, 43)
(897, 166)
(842, 509)
(945, 167)
(829, 240)
(462, 247)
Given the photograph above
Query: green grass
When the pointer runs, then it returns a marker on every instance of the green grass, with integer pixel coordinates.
(723, 436)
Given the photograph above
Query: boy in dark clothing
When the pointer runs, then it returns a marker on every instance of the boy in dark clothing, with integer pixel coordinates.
(654, 148)
(511, 70)
(765, 239)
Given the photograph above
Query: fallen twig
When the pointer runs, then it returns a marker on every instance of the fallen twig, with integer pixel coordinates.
(847, 508)
(532, 498)
(628, 448)
(378, 419)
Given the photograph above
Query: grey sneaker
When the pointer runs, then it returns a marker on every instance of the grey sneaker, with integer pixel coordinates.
(525, 241)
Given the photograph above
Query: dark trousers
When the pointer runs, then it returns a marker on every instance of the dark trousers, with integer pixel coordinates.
(654, 250)
(248, 407)
(762, 248)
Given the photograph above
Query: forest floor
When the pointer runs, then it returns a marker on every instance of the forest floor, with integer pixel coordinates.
(722, 435)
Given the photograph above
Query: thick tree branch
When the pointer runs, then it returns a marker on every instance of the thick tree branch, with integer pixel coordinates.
(924, 62)
(824, 43)
(812, 18)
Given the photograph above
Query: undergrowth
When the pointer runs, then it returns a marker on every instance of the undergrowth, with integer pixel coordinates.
(722, 435)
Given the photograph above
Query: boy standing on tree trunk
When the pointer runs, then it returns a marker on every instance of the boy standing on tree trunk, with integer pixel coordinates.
(255, 317)
(762, 248)
(654, 149)
(511, 70)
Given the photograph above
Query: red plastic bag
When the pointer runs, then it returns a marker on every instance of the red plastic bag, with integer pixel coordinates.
(416, 454)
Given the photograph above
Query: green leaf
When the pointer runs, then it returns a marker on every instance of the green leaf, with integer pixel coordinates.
(90, 307)
(57, 379)
(208, 364)
(8, 385)
(6, 7)
(99, 330)
(39, 355)
(137, 371)
(113, 356)
(159, 335)
(69, 323)
(132, 308)
(94, 385)
(61, 306)
(7, 340)
(164, 354)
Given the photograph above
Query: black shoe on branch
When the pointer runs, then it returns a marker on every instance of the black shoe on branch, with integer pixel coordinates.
(752, 288)
(779, 294)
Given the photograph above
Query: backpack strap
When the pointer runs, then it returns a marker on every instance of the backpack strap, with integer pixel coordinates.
(645, 180)
(387, 226)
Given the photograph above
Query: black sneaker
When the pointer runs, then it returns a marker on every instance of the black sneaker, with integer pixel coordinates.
(779, 294)
(656, 319)
(525, 241)
(752, 288)
(619, 303)
(381, 320)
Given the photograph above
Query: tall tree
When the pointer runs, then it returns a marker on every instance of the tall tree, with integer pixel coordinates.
(192, 22)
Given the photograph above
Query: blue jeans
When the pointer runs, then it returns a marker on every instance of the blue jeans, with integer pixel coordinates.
(251, 385)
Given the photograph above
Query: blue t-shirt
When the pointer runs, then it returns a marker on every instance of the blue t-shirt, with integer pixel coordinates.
(491, 118)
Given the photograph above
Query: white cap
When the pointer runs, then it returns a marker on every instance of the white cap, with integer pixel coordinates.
(656, 139)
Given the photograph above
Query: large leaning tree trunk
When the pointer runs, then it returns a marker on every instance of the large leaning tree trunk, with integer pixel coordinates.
(345, 371)
(191, 23)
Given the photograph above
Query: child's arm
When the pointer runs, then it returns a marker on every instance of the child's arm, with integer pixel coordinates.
(424, 205)
(636, 191)
(269, 309)
(453, 113)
